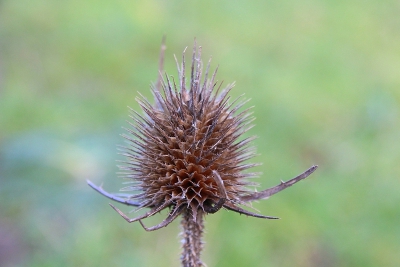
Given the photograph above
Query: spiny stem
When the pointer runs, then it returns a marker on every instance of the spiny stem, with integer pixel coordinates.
(192, 231)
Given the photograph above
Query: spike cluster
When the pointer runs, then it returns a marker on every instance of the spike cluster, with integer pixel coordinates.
(187, 153)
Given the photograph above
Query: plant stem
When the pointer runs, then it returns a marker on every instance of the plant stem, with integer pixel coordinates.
(192, 231)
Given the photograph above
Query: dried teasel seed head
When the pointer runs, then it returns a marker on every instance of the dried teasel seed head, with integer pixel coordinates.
(187, 152)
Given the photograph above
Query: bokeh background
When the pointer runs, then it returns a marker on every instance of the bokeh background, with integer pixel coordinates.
(324, 77)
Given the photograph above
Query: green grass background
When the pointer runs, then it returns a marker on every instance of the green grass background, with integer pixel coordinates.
(324, 77)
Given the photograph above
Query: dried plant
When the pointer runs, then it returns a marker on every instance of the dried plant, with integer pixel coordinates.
(187, 154)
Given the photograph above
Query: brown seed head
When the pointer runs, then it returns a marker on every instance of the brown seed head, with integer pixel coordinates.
(187, 152)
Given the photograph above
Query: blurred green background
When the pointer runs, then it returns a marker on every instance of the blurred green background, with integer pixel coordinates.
(324, 77)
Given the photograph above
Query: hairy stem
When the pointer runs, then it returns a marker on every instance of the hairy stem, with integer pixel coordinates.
(192, 231)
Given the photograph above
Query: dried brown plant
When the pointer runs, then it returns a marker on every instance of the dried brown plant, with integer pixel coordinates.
(187, 154)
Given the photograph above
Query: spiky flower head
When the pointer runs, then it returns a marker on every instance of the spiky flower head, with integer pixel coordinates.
(187, 152)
